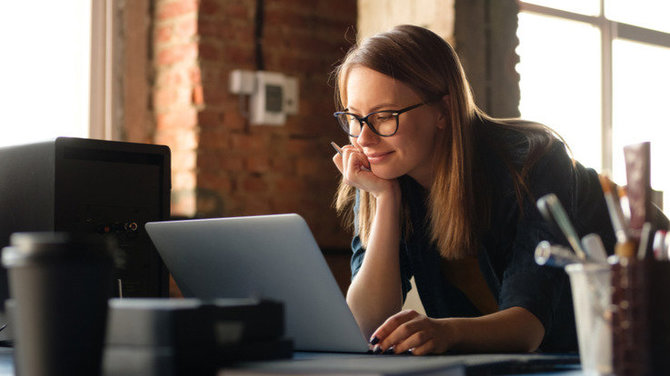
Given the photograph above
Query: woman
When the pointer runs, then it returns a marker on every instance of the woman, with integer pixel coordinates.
(442, 192)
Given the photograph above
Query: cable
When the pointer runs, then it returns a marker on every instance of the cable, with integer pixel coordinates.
(259, 35)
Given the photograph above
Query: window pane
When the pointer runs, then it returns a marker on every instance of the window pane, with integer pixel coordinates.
(641, 79)
(44, 70)
(586, 7)
(650, 14)
(560, 81)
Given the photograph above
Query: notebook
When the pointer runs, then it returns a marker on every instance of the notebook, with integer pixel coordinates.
(272, 257)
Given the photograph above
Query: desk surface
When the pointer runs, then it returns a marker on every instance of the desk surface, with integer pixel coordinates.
(470, 364)
(528, 364)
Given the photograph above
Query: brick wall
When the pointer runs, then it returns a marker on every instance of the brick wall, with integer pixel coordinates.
(222, 166)
(177, 94)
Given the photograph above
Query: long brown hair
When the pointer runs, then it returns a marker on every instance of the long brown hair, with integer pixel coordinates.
(457, 201)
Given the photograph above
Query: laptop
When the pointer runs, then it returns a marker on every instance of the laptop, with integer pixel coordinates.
(272, 257)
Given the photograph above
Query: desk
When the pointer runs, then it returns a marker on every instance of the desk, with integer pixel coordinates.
(468, 365)
(572, 369)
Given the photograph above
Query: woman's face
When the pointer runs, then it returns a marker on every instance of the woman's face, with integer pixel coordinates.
(409, 151)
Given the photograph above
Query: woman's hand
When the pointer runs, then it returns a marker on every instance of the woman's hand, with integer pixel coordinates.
(355, 169)
(514, 329)
(411, 331)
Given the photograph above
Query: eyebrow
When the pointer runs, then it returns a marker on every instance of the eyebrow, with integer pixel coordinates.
(375, 108)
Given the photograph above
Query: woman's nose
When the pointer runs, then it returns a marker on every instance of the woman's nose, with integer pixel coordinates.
(367, 136)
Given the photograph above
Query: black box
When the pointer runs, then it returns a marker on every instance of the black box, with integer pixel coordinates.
(90, 186)
(190, 336)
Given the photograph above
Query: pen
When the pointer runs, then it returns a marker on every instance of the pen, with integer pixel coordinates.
(644, 241)
(550, 207)
(616, 215)
(593, 244)
(337, 148)
(555, 255)
(339, 151)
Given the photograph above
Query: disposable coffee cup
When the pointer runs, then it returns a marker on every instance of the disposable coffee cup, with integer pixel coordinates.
(591, 299)
(59, 284)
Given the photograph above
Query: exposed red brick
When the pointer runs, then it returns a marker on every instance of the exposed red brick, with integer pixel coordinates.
(210, 118)
(257, 163)
(234, 54)
(247, 142)
(282, 165)
(299, 146)
(239, 34)
(187, 28)
(177, 119)
(254, 184)
(183, 160)
(215, 181)
(163, 34)
(232, 164)
(209, 27)
(183, 180)
(197, 97)
(289, 184)
(183, 205)
(177, 53)
(177, 139)
(171, 9)
(234, 120)
(209, 7)
(254, 170)
(194, 75)
(285, 203)
(168, 76)
(237, 11)
(309, 166)
(255, 205)
(210, 50)
(164, 98)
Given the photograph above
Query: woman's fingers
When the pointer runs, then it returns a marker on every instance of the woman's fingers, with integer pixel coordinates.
(420, 342)
(390, 325)
(337, 160)
(409, 330)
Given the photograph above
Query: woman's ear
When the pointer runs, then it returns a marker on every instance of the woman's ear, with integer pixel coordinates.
(443, 115)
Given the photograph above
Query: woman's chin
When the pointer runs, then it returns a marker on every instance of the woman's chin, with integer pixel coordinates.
(385, 173)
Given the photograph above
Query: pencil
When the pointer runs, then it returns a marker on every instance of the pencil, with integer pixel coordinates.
(624, 247)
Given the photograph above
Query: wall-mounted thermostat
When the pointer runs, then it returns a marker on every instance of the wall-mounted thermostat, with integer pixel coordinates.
(272, 95)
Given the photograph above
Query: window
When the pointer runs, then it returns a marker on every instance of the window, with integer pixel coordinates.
(596, 71)
(46, 69)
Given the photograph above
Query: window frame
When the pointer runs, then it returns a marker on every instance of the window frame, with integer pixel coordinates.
(609, 31)
(101, 104)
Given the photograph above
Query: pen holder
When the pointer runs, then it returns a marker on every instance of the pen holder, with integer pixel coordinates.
(640, 328)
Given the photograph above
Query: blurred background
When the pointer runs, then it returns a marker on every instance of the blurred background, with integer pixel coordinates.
(158, 71)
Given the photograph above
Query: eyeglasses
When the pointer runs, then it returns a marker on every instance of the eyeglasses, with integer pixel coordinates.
(382, 123)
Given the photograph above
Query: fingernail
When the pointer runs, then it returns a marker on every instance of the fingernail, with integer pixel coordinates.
(374, 340)
(390, 350)
(377, 349)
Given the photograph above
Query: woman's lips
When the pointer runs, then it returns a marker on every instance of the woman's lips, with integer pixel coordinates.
(378, 157)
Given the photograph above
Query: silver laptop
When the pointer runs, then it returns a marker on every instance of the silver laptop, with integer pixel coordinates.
(272, 256)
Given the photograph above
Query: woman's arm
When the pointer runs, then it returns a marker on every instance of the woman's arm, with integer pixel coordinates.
(511, 330)
(375, 292)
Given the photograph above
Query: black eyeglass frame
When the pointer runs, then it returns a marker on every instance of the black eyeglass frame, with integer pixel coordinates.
(364, 119)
